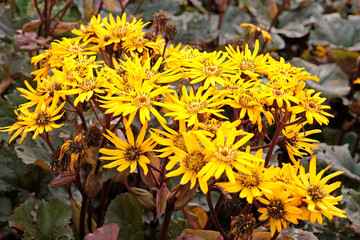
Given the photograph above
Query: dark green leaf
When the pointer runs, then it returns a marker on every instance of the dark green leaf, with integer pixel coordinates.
(352, 200)
(126, 211)
(337, 32)
(339, 157)
(43, 220)
(333, 81)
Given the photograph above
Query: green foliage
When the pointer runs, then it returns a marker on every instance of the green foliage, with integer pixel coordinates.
(43, 220)
(126, 211)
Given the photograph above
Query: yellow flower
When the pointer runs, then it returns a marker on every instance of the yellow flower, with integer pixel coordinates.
(249, 63)
(312, 107)
(280, 69)
(225, 154)
(191, 106)
(356, 81)
(254, 184)
(295, 141)
(137, 43)
(70, 48)
(278, 96)
(316, 193)
(173, 139)
(128, 154)
(115, 32)
(142, 99)
(279, 209)
(191, 160)
(74, 148)
(19, 126)
(257, 30)
(86, 87)
(210, 69)
(43, 118)
(321, 51)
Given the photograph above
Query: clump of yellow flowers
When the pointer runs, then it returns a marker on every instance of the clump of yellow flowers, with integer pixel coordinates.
(148, 107)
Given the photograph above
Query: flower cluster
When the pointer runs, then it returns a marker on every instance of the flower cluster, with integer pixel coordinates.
(205, 114)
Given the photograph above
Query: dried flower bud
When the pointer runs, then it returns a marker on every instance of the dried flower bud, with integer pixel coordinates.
(254, 128)
(243, 226)
(170, 32)
(93, 136)
(161, 18)
(233, 206)
(150, 36)
(237, 42)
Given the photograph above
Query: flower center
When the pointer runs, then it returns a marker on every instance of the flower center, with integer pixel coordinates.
(226, 154)
(76, 147)
(195, 106)
(212, 71)
(311, 106)
(142, 100)
(179, 142)
(278, 93)
(315, 193)
(133, 153)
(276, 209)
(194, 161)
(212, 125)
(250, 181)
(43, 119)
(119, 31)
(138, 41)
(247, 64)
(88, 85)
(75, 49)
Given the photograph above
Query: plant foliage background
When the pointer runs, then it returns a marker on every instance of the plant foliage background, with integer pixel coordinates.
(322, 36)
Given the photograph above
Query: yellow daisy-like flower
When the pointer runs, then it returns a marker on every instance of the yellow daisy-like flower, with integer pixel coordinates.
(137, 43)
(312, 107)
(254, 184)
(43, 118)
(74, 148)
(280, 209)
(173, 139)
(249, 63)
(296, 142)
(191, 160)
(210, 69)
(280, 69)
(192, 106)
(117, 31)
(142, 99)
(278, 97)
(19, 126)
(86, 87)
(316, 193)
(258, 30)
(128, 154)
(225, 154)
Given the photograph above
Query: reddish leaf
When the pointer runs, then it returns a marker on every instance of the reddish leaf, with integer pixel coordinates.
(195, 216)
(108, 231)
(184, 195)
(64, 178)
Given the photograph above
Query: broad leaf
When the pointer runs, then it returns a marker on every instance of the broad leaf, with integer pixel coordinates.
(337, 32)
(43, 220)
(333, 81)
(339, 157)
(352, 200)
(126, 211)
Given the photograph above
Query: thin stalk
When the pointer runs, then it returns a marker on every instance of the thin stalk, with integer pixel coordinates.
(89, 212)
(102, 203)
(274, 141)
(38, 11)
(168, 212)
(217, 208)
(138, 7)
(83, 203)
(214, 215)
